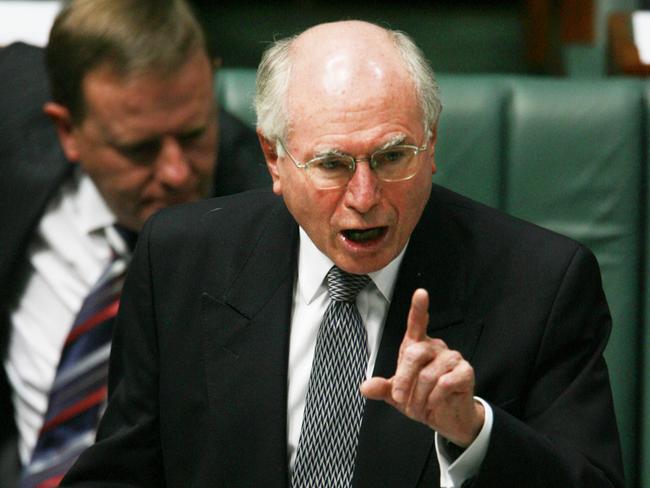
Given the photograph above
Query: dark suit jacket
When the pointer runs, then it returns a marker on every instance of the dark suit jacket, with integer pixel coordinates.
(199, 364)
(33, 167)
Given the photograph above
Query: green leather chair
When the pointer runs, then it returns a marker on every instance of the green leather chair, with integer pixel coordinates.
(568, 158)
(645, 293)
(575, 167)
(570, 155)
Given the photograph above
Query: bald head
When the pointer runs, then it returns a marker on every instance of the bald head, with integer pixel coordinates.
(343, 64)
(346, 66)
(337, 57)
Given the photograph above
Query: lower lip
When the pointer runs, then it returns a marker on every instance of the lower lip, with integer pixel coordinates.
(369, 245)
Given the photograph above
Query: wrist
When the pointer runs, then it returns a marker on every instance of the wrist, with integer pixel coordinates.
(466, 435)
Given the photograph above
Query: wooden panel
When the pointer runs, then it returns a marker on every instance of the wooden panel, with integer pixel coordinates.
(552, 23)
(577, 21)
(623, 53)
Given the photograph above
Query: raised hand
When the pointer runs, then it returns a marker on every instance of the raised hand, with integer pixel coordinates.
(432, 383)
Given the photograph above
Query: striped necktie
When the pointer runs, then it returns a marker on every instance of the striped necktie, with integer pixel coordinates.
(79, 390)
(334, 405)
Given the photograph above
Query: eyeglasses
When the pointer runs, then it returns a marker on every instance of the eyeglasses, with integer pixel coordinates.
(334, 170)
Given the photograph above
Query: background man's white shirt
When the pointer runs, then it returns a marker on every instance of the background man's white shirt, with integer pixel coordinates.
(71, 247)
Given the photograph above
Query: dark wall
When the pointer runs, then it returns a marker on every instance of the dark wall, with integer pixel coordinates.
(458, 36)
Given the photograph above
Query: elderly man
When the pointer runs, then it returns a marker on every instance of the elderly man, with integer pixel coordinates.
(365, 329)
(133, 106)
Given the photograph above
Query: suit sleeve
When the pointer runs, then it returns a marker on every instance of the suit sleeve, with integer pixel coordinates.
(128, 449)
(566, 435)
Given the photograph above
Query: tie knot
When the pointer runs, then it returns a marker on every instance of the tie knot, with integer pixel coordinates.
(130, 237)
(343, 286)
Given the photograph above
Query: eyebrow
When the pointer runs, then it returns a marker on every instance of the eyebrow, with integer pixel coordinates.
(393, 141)
(133, 146)
(152, 141)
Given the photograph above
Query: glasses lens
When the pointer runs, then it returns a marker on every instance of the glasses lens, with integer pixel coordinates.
(331, 171)
(395, 163)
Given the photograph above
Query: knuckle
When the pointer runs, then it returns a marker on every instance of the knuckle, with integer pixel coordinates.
(438, 343)
(400, 383)
(455, 357)
(414, 352)
(447, 384)
(428, 376)
(411, 353)
(466, 369)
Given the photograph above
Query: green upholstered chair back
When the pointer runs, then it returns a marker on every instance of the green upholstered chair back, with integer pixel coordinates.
(565, 154)
(644, 335)
(570, 155)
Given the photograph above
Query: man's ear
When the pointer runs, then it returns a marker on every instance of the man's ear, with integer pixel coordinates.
(62, 120)
(271, 155)
(432, 147)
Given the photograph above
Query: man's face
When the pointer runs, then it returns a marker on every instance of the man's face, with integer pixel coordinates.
(365, 225)
(147, 141)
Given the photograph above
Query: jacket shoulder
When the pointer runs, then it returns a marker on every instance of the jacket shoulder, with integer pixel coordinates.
(499, 243)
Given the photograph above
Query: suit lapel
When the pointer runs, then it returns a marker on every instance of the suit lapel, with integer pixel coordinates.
(394, 450)
(246, 330)
(32, 174)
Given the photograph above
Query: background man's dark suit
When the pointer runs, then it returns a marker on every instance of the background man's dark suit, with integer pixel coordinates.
(204, 342)
(32, 168)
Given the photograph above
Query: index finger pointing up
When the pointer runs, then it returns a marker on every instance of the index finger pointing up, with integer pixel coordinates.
(418, 318)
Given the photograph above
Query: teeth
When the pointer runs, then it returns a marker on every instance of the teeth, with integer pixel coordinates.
(363, 235)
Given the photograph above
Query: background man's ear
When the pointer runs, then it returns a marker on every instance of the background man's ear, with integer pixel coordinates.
(271, 155)
(62, 120)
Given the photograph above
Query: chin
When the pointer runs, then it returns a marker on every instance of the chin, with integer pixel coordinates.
(361, 266)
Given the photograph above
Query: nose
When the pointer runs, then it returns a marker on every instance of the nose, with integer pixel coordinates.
(363, 190)
(172, 167)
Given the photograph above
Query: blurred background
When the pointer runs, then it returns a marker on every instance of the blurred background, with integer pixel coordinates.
(554, 37)
(544, 37)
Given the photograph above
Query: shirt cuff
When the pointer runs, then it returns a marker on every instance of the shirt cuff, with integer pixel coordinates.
(454, 472)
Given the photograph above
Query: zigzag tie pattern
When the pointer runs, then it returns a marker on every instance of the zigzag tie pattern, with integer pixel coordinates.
(79, 390)
(334, 405)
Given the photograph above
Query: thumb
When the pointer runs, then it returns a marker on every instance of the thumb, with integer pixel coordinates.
(376, 388)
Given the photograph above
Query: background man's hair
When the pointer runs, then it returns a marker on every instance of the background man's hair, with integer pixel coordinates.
(132, 36)
(275, 70)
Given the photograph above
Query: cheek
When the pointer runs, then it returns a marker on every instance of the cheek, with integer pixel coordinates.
(312, 209)
(103, 162)
(418, 198)
(203, 155)
(411, 201)
(124, 183)
(203, 163)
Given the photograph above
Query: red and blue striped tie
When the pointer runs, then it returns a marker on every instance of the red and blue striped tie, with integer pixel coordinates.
(79, 391)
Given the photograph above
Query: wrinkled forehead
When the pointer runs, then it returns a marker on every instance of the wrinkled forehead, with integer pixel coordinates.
(347, 68)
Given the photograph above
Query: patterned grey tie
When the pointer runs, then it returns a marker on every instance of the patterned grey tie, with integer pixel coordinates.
(334, 405)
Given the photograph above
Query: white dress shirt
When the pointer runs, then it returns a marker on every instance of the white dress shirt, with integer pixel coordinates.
(310, 300)
(70, 249)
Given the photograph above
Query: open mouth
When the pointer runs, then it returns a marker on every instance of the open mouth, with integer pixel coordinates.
(364, 235)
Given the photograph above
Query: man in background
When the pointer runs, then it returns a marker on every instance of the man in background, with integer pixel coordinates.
(359, 326)
(132, 128)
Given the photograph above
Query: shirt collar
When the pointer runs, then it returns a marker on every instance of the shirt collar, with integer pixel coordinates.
(95, 217)
(92, 210)
(313, 266)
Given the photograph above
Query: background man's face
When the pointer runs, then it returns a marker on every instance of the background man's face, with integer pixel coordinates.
(364, 226)
(147, 141)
